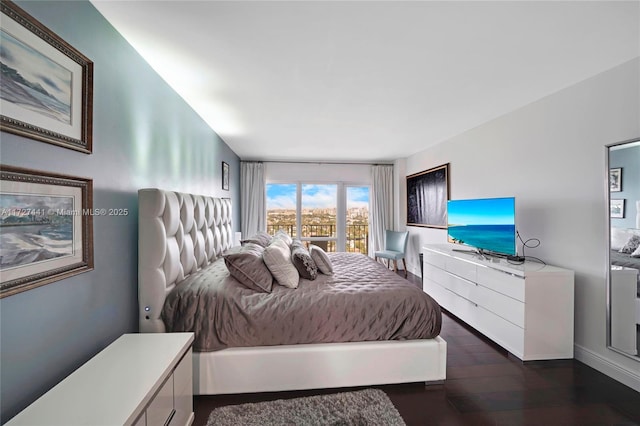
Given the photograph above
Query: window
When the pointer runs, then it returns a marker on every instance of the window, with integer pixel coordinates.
(357, 219)
(333, 216)
(319, 214)
(281, 208)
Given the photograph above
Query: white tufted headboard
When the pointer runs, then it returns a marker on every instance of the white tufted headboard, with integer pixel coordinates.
(178, 234)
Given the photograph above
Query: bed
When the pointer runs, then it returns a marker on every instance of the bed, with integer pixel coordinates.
(182, 238)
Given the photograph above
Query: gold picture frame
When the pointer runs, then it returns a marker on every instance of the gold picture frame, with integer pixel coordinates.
(427, 196)
(46, 228)
(47, 88)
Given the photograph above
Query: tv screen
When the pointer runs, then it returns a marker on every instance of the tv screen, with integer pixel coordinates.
(488, 224)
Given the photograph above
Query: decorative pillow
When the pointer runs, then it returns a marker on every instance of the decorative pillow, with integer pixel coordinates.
(286, 237)
(277, 257)
(322, 260)
(620, 236)
(247, 266)
(302, 261)
(261, 238)
(636, 253)
(631, 245)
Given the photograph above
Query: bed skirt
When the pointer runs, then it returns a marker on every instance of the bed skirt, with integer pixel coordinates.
(316, 366)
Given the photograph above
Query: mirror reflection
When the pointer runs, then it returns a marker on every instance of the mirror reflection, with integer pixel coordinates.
(624, 247)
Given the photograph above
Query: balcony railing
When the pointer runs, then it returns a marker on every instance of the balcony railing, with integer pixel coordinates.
(357, 235)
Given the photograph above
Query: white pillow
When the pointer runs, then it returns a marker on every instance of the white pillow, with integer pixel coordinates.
(632, 245)
(277, 257)
(322, 260)
(636, 253)
(620, 237)
(282, 234)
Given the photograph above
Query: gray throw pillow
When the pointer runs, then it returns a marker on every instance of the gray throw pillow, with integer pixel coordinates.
(247, 266)
(261, 238)
(302, 261)
(632, 245)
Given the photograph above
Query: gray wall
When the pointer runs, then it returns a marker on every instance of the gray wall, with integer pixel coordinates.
(145, 135)
(629, 160)
(550, 155)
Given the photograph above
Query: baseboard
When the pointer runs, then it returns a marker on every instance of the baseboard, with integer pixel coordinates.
(616, 371)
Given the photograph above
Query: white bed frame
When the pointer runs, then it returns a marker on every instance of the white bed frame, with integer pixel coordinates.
(181, 233)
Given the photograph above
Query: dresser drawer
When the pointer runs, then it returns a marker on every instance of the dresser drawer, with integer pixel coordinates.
(459, 286)
(501, 331)
(502, 282)
(161, 407)
(183, 389)
(435, 259)
(503, 306)
(461, 268)
(449, 300)
(437, 292)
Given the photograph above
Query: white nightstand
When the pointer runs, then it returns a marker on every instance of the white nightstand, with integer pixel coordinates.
(140, 379)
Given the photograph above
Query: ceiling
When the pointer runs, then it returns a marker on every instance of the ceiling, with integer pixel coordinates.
(367, 81)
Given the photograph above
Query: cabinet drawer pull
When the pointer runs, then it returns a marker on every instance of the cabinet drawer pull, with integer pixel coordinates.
(168, 421)
(462, 297)
(460, 278)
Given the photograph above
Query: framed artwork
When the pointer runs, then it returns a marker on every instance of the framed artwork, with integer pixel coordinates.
(46, 228)
(617, 209)
(427, 196)
(615, 179)
(225, 176)
(47, 85)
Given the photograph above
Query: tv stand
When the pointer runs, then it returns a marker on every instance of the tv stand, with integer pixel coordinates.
(526, 308)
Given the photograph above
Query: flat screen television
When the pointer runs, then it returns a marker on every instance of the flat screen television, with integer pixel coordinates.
(487, 224)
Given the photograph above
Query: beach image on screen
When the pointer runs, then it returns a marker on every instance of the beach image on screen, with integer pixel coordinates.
(487, 224)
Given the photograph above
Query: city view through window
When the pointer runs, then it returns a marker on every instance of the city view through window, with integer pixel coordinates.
(318, 214)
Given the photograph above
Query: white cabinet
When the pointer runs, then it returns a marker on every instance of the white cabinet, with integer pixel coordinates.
(140, 379)
(527, 308)
(624, 282)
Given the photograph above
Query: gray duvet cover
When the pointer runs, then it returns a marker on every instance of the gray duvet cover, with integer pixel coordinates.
(362, 301)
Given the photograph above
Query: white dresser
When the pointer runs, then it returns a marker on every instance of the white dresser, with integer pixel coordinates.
(624, 290)
(527, 309)
(140, 379)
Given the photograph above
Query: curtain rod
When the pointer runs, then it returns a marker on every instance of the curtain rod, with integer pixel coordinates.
(321, 163)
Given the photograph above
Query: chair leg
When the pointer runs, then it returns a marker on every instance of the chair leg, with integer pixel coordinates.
(395, 266)
(404, 264)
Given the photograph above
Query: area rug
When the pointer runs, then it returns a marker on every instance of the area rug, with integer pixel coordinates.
(365, 407)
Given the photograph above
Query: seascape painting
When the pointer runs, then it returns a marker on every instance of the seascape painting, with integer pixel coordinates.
(34, 229)
(33, 81)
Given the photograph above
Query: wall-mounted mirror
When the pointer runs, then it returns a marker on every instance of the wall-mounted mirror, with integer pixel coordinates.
(623, 285)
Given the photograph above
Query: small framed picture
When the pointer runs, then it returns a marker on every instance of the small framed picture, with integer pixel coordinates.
(47, 228)
(225, 176)
(47, 84)
(615, 179)
(617, 209)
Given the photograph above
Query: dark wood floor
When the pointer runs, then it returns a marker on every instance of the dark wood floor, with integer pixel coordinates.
(487, 386)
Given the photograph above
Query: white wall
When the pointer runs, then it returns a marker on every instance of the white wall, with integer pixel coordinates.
(550, 156)
(318, 173)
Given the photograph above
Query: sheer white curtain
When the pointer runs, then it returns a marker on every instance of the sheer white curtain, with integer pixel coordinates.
(253, 198)
(381, 217)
